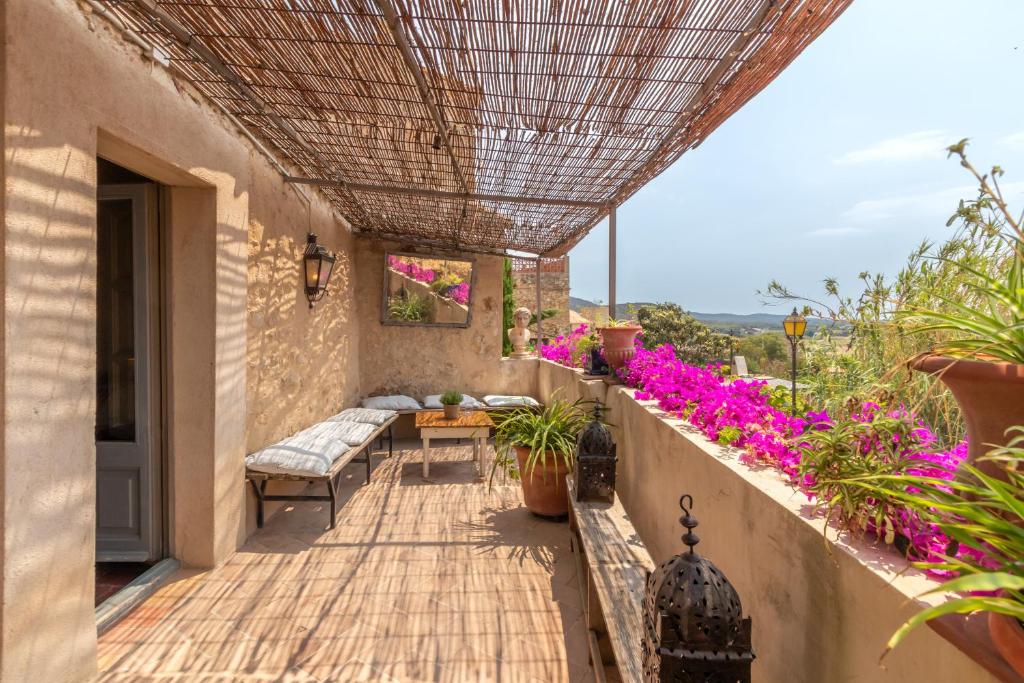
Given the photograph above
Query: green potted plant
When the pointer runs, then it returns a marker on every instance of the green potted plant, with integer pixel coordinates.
(539, 448)
(982, 362)
(619, 339)
(981, 512)
(452, 402)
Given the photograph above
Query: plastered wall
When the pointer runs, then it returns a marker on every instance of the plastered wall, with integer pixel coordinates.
(822, 611)
(73, 89)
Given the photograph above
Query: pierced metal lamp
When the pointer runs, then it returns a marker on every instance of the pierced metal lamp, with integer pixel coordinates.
(595, 461)
(795, 325)
(319, 263)
(694, 630)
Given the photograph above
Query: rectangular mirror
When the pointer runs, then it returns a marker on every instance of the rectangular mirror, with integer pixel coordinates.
(426, 290)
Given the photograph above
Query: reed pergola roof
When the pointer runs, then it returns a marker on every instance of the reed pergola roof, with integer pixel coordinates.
(486, 124)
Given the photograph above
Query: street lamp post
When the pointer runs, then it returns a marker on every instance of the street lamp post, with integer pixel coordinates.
(795, 325)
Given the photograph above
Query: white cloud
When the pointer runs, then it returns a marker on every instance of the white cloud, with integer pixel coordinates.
(1014, 140)
(836, 232)
(938, 204)
(924, 144)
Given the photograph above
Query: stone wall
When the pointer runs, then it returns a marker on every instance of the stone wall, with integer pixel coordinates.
(554, 294)
(822, 609)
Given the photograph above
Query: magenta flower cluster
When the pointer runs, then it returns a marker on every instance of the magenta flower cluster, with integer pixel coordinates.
(737, 413)
(562, 348)
(457, 292)
(424, 275)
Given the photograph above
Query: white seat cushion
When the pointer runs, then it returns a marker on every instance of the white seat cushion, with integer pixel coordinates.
(311, 452)
(396, 402)
(498, 401)
(367, 415)
(354, 433)
(434, 402)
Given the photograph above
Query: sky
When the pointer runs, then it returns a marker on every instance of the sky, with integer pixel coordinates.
(837, 167)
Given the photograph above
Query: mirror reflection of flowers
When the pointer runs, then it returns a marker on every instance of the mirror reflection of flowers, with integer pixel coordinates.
(446, 284)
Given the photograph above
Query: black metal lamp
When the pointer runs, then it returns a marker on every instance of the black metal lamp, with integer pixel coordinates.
(694, 628)
(795, 325)
(595, 461)
(319, 264)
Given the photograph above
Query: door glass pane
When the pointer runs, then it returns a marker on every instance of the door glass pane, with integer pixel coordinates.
(115, 322)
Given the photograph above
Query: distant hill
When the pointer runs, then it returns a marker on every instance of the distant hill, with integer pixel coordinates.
(725, 322)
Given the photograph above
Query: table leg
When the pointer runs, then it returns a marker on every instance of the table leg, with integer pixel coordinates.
(426, 457)
(481, 448)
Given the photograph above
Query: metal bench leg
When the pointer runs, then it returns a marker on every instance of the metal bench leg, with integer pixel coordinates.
(259, 501)
(332, 492)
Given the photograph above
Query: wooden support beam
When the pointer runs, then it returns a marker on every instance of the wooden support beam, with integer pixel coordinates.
(442, 194)
(412, 63)
(612, 244)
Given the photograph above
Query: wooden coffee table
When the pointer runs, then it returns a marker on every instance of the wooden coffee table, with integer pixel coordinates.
(471, 424)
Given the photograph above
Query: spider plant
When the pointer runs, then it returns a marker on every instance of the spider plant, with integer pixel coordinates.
(409, 307)
(977, 512)
(549, 434)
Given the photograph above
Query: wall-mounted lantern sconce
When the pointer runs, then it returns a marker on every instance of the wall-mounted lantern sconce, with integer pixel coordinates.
(319, 263)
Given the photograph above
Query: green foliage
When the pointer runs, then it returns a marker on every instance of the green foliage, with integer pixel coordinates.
(727, 435)
(694, 342)
(544, 315)
(508, 306)
(978, 511)
(781, 398)
(549, 434)
(767, 353)
(409, 307)
(857, 448)
(986, 318)
(617, 322)
(446, 280)
(451, 398)
(956, 296)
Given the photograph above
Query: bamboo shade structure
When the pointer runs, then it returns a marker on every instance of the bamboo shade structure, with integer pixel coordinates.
(487, 124)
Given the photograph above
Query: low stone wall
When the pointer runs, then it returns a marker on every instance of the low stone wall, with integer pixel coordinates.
(822, 609)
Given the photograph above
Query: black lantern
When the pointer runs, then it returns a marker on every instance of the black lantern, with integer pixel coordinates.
(795, 325)
(319, 263)
(694, 628)
(595, 461)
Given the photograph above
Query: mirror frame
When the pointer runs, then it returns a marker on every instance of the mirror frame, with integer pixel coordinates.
(384, 320)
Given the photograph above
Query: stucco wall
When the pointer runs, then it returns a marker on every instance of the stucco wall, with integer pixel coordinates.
(418, 360)
(822, 611)
(75, 89)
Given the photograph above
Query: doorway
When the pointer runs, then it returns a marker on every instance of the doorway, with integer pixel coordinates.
(130, 471)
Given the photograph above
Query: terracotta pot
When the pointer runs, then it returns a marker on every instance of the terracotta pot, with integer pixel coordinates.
(544, 488)
(451, 412)
(619, 347)
(990, 395)
(1008, 637)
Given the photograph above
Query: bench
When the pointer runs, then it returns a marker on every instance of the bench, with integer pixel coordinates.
(259, 480)
(612, 565)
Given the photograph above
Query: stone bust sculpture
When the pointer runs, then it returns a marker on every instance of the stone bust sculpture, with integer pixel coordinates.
(520, 335)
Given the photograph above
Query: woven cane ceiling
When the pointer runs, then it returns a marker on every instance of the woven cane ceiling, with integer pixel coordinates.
(489, 124)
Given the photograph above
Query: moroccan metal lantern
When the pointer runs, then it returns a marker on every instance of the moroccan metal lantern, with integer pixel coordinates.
(318, 265)
(694, 628)
(595, 461)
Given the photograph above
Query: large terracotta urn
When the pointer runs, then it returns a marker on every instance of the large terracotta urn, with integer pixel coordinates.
(1008, 636)
(990, 395)
(544, 488)
(619, 344)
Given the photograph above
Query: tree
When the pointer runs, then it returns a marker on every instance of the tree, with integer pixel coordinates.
(694, 342)
(508, 306)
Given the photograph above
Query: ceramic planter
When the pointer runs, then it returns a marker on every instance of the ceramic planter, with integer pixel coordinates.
(1008, 636)
(990, 395)
(544, 488)
(619, 347)
(452, 412)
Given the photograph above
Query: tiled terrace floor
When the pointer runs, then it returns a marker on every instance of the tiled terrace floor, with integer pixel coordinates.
(422, 580)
